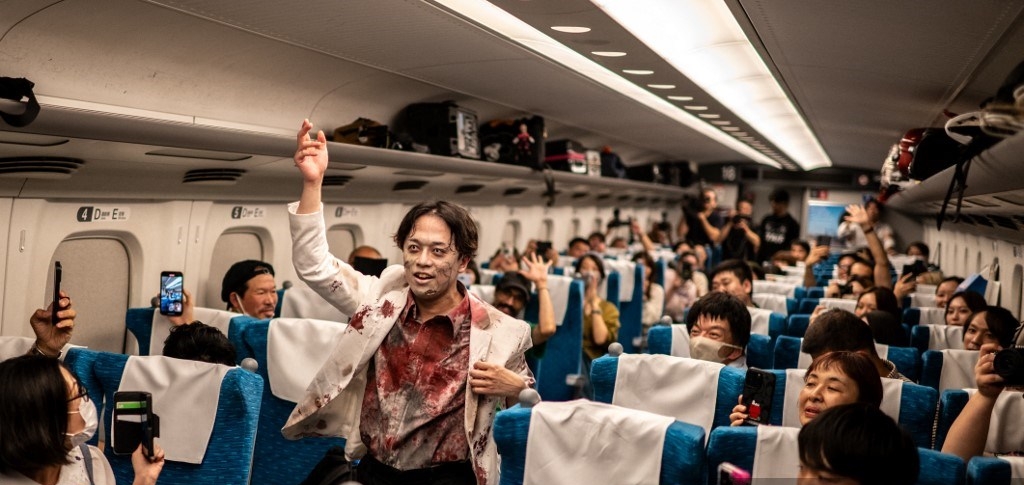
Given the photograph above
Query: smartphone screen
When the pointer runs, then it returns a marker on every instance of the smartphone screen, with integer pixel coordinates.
(729, 474)
(171, 296)
(57, 273)
(543, 247)
(823, 241)
(758, 390)
(133, 422)
(914, 269)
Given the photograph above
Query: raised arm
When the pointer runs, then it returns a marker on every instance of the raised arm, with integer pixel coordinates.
(644, 238)
(311, 159)
(969, 432)
(859, 216)
(816, 255)
(537, 272)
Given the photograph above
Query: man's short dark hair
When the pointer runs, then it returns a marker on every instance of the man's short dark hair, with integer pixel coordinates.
(886, 329)
(860, 442)
(1001, 324)
(838, 330)
(780, 196)
(726, 307)
(739, 268)
(458, 220)
(803, 245)
(236, 280)
(576, 240)
(33, 413)
(200, 342)
(885, 300)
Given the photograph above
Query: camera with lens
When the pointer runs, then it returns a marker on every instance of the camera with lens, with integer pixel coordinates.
(694, 204)
(1009, 364)
(685, 270)
(740, 217)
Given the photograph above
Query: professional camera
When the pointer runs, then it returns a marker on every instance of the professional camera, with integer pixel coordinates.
(694, 204)
(1009, 364)
(740, 217)
(685, 270)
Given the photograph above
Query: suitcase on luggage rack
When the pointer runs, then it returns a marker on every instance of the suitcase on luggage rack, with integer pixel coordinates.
(567, 156)
(517, 142)
(446, 128)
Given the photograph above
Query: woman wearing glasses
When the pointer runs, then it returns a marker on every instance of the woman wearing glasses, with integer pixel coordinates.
(45, 419)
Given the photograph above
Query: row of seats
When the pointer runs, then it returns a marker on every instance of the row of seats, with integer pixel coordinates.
(674, 450)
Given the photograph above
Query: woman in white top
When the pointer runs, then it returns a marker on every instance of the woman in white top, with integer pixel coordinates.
(45, 419)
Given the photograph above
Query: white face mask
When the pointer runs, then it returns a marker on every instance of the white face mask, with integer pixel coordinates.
(88, 411)
(711, 350)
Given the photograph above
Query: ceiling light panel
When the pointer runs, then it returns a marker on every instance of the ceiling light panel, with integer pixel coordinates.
(570, 29)
(709, 47)
(516, 30)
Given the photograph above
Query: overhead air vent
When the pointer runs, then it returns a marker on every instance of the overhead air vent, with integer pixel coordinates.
(468, 189)
(199, 154)
(407, 185)
(31, 139)
(344, 166)
(623, 198)
(337, 180)
(39, 167)
(213, 176)
(604, 196)
(513, 191)
(419, 173)
(640, 199)
(1003, 221)
(579, 195)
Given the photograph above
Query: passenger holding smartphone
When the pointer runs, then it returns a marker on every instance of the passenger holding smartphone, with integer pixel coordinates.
(50, 338)
(45, 418)
(832, 379)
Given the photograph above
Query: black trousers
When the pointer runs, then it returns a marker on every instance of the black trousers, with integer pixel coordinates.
(370, 471)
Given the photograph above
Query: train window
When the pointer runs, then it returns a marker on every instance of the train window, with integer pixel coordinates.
(938, 254)
(342, 240)
(575, 228)
(230, 248)
(1016, 289)
(510, 235)
(96, 277)
(966, 265)
(978, 263)
(598, 226)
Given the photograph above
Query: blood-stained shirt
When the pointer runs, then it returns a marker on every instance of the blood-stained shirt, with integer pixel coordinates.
(413, 413)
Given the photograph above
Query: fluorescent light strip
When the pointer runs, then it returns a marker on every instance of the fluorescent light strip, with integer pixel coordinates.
(709, 47)
(507, 25)
(109, 109)
(638, 72)
(568, 29)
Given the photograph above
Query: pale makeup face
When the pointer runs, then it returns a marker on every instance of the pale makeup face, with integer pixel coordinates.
(728, 283)
(957, 312)
(823, 389)
(977, 334)
(260, 298)
(866, 303)
(943, 293)
(430, 259)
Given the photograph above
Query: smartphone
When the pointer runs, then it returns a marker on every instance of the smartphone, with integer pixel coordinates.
(543, 247)
(729, 474)
(914, 269)
(134, 423)
(171, 297)
(57, 272)
(758, 390)
(823, 241)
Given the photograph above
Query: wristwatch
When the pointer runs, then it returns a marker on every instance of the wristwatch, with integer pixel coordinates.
(596, 311)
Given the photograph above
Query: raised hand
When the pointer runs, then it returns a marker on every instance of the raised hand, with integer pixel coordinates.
(52, 338)
(536, 268)
(858, 216)
(310, 154)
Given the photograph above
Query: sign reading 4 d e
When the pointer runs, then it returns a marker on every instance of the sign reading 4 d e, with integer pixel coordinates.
(101, 213)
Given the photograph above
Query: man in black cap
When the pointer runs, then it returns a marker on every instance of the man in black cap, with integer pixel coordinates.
(249, 288)
(512, 293)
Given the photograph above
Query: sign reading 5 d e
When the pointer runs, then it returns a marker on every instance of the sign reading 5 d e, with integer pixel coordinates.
(101, 213)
